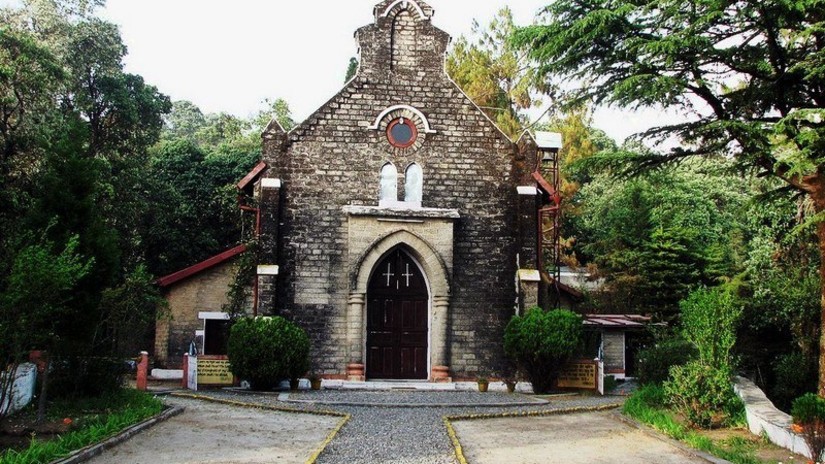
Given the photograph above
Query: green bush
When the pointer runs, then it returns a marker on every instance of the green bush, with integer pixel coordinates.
(703, 394)
(655, 361)
(808, 409)
(709, 319)
(86, 376)
(541, 342)
(794, 375)
(701, 389)
(265, 351)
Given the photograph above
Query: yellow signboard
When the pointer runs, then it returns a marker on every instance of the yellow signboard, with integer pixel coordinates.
(215, 372)
(582, 375)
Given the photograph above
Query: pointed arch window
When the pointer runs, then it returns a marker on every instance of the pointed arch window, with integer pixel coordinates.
(413, 184)
(389, 184)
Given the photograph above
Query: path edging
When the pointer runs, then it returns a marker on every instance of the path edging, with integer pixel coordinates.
(87, 453)
(651, 432)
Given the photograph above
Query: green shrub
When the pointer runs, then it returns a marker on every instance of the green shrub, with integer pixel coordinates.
(709, 319)
(541, 342)
(794, 375)
(86, 376)
(701, 389)
(703, 394)
(265, 351)
(807, 409)
(655, 361)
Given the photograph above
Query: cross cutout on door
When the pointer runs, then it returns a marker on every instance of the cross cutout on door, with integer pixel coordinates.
(408, 274)
(388, 274)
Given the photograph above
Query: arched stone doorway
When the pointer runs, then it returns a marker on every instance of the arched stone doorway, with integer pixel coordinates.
(366, 267)
(397, 319)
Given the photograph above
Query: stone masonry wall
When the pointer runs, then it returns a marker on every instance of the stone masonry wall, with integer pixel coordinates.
(204, 292)
(333, 159)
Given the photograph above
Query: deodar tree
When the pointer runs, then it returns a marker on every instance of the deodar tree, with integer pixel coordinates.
(749, 74)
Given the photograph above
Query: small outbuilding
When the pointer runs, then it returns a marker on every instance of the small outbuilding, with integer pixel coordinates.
(618, 340)
(196, 321)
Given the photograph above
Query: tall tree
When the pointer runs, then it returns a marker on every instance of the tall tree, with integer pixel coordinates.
(752, 72)
(352, 69)
(496, 75)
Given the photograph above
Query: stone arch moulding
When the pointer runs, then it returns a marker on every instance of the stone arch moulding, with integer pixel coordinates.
(421, 15)
(406, 111)
(433, 265)
(439, 288)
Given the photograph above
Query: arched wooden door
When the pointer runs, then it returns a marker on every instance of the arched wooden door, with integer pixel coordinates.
(397, 322)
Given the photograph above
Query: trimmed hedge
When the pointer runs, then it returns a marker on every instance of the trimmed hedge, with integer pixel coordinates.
(541, 342)
(266, 350)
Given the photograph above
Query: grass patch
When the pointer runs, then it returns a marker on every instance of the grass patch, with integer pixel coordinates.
(647, 405)
(94, 420)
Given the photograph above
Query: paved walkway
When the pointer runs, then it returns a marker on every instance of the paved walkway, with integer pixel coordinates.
(407, 427)
(215, 433)
(393, 427)
(590, 438)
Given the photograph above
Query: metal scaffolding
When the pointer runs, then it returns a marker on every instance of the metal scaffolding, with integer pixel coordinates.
(549, 215)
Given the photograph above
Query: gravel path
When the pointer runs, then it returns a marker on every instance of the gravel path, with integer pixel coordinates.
(412, 434)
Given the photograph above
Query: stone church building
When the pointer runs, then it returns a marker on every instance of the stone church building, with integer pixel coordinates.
(398, 225)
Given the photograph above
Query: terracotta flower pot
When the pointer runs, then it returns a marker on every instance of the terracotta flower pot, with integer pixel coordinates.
(511, 386)
(482, 386)
(315, 384)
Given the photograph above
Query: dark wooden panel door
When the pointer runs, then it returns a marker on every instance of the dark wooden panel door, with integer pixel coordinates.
(397, 325)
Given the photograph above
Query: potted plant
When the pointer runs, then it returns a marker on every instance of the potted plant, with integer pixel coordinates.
(315, 381)
(808, 413)
(510, 383)
(483, 384)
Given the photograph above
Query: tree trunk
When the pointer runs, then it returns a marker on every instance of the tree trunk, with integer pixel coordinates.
(44, 385)
(820, 232)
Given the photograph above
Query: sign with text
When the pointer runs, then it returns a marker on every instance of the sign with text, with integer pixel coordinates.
(214, 371)
(582, 375)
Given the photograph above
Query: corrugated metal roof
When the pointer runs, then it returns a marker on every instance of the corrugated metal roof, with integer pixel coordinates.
(548, 140)
(615, 321)
(200, 267)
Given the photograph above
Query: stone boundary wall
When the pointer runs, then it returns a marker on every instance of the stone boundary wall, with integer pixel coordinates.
(765, 418)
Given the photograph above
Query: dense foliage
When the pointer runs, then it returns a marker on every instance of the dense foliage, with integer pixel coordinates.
(541, 342)
(656, 360)
(265, 351)
(105, 185)
(497, 76)
(748, 73)
(702, 388)
(656, 237)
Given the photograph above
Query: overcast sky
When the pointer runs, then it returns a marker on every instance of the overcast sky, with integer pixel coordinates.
(229, 56)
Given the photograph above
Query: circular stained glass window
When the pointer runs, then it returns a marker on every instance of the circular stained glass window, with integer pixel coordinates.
(402, 133)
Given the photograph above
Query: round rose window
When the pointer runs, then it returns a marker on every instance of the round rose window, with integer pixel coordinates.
(402, 133)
